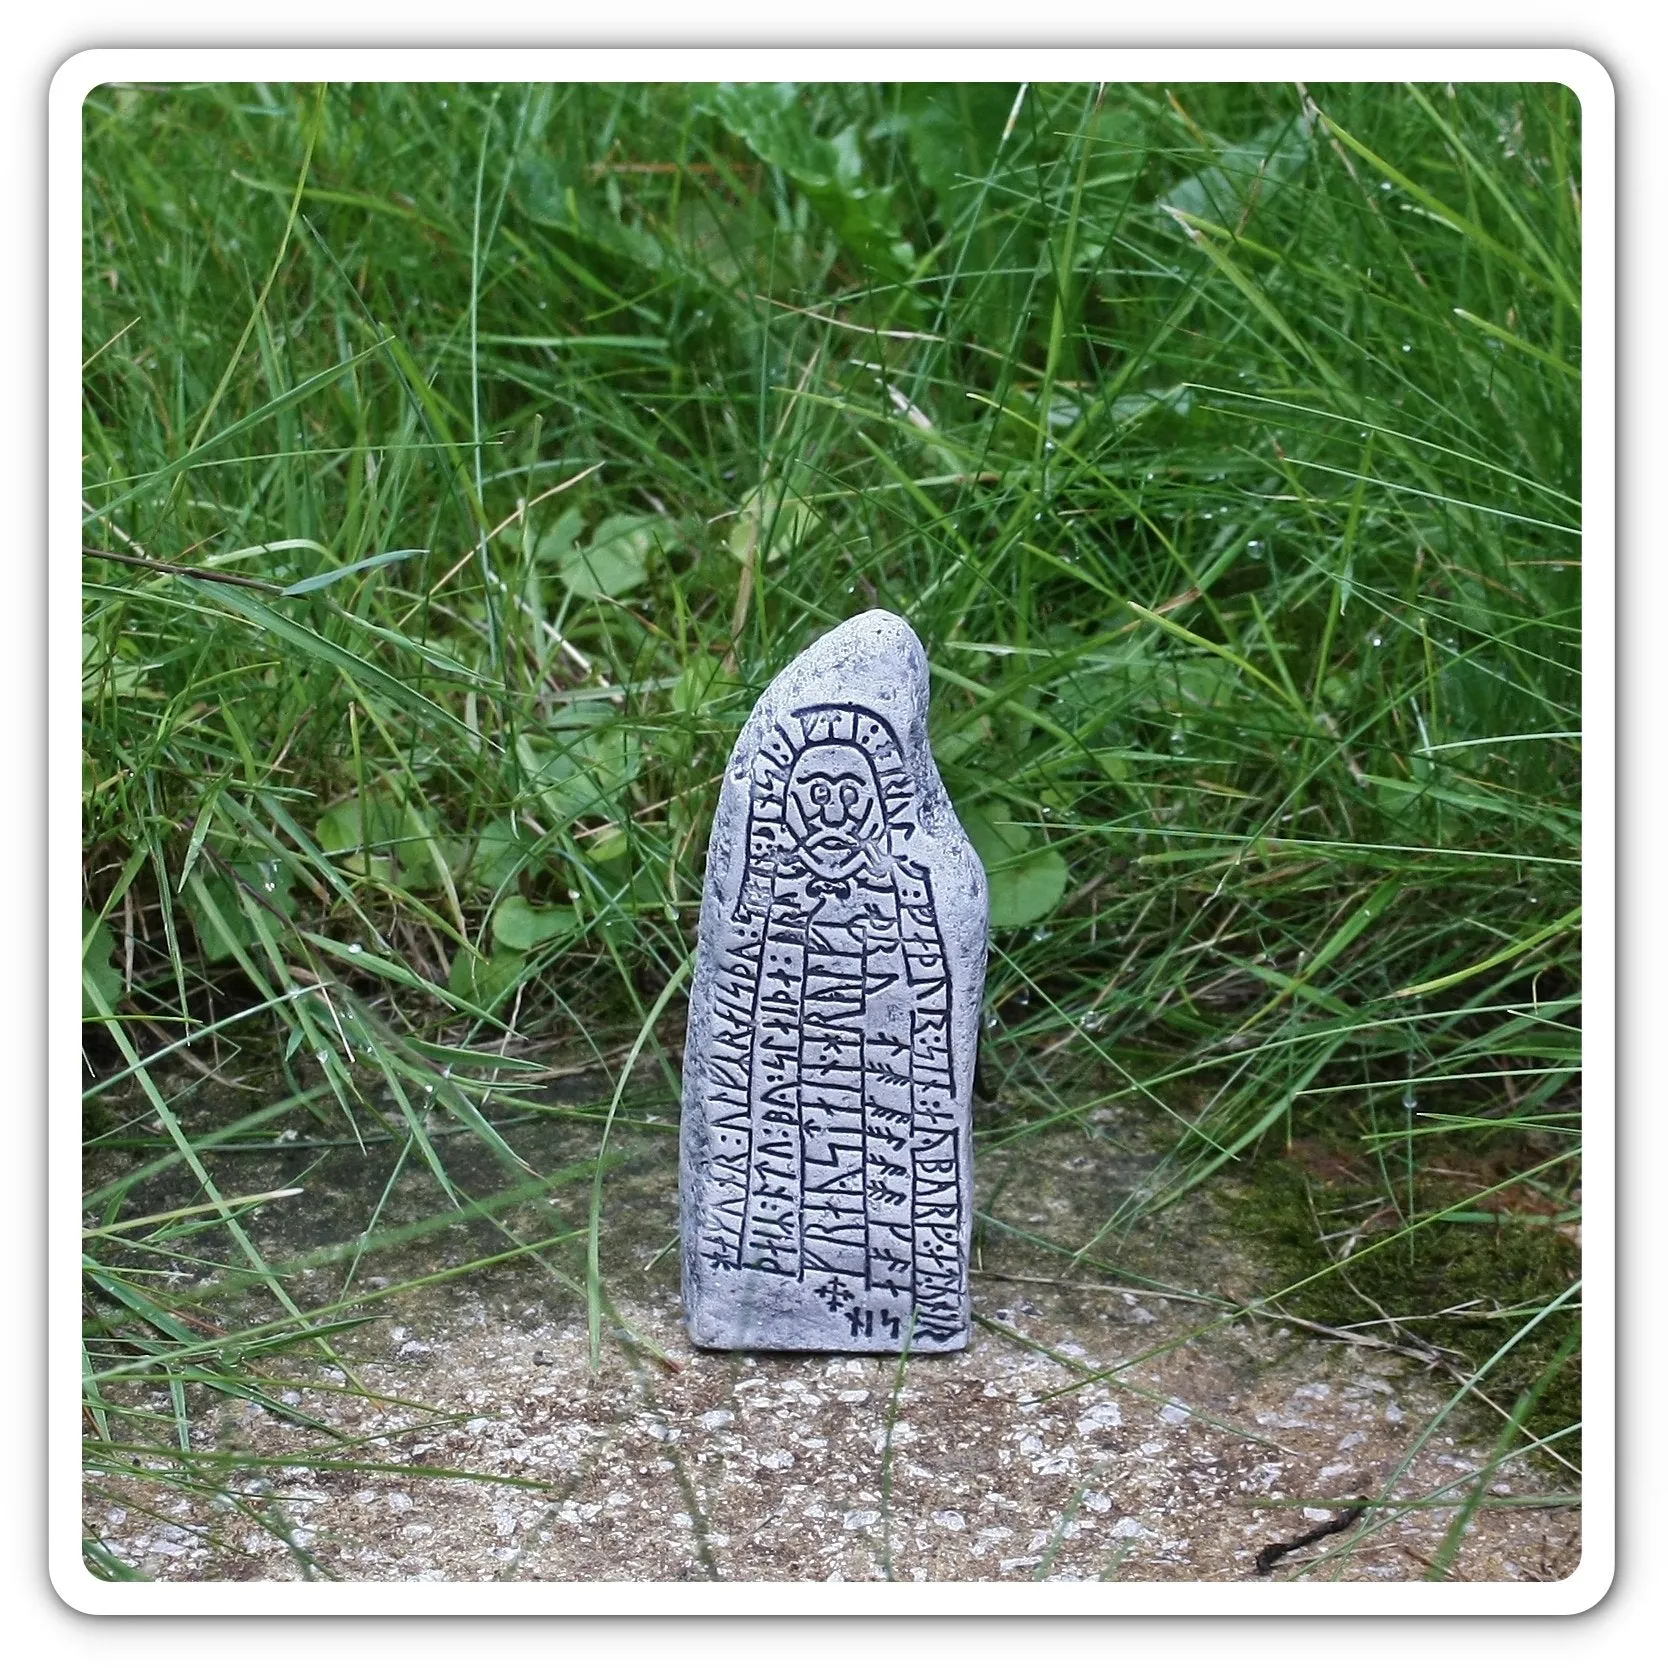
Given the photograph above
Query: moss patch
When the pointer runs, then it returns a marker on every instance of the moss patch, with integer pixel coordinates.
(1502, 1271)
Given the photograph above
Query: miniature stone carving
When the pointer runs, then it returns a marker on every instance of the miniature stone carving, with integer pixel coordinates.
(833, 1020)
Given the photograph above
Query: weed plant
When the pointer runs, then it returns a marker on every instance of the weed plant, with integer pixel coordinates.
(461, 462)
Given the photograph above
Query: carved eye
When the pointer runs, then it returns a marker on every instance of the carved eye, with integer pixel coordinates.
(849, 795)
(819, 793)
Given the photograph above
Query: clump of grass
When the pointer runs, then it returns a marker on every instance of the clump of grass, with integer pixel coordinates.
(461, 462)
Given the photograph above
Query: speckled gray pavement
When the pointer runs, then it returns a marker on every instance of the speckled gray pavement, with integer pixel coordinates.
(996, 1464)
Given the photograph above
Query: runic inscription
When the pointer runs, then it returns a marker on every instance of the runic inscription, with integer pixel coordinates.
(832, 1193)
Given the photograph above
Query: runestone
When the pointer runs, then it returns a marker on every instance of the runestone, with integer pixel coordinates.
(826, 1144)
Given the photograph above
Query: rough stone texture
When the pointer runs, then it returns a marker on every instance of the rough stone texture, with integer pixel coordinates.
(833, 1021)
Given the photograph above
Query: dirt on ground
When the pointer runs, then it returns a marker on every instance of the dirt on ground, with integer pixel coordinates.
(1115, 1418)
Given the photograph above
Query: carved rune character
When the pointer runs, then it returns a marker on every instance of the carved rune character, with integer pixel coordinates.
(835, 950)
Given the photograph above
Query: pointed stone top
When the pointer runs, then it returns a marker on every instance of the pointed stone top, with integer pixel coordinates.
(875, 626)
(875, 655)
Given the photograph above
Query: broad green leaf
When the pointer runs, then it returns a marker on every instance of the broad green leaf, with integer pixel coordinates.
(702, 683)
(1027, 890)
(1066, 410)
(1025, 883)
(609, 846)
(518, 925)
(583, 778)
(1114, 765)
(98, 951)
(485, 980)
(226, 928)
(953, 131)
(414, 849)
(582, 713)
(393, 836)
(561, 192)
(343, 836)
(702, 689)
(773, 120)
(957, 735)
(501, 853)
(1244, 177)
(561, 536)
(616, 559)
(996, 839)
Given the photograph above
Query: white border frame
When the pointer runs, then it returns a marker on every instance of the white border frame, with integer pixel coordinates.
(1578, 71)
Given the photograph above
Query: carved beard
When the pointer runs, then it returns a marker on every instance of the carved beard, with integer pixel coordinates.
(833, 811)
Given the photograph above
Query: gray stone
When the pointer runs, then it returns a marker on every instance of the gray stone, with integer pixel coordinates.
(833, 1020)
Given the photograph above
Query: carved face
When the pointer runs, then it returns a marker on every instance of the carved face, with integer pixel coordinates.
(833, 808)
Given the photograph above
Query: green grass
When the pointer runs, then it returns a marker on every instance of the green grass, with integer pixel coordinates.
(462, 461)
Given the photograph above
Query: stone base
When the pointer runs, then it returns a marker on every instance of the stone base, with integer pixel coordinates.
(742, 1309)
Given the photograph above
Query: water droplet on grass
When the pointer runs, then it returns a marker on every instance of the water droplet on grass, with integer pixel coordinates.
(1409, 1099)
